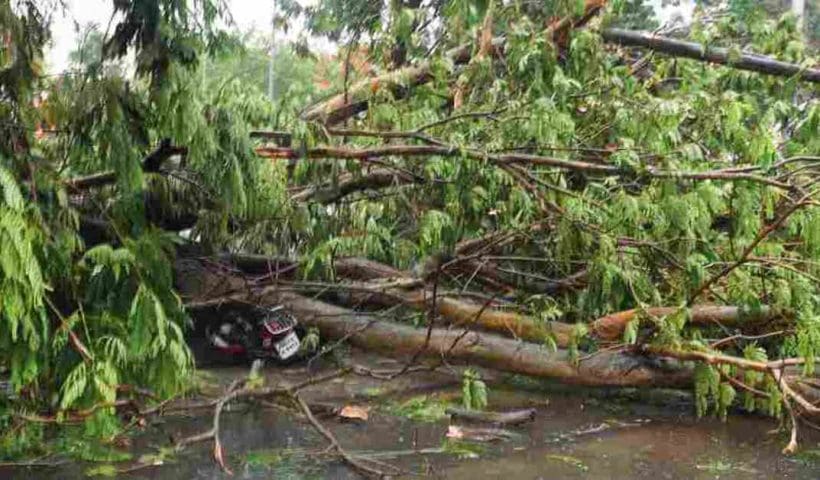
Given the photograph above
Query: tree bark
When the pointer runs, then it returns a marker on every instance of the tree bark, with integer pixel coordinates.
(514, 417)
(608, 328)
(375, 284)
(721, 56)
(487, 350)
(506, 161)
(374, 180)
(611, 327)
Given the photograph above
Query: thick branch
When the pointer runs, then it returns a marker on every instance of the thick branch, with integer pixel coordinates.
(608, 328)
(151, 163)
(355, 99)
(388, 287)
(375, 180)
(505, 160)
(722, 56)
(605, 369)
(611, 327)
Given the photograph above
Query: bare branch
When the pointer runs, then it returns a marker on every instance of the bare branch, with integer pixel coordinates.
(721, 56)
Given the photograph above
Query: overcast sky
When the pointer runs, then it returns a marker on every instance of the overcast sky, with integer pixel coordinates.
(247, 14)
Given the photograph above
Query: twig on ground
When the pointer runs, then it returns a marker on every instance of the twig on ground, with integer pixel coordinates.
(239, 390)
(334, 443)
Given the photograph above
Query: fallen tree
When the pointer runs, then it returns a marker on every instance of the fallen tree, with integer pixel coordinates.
(604, 369)
(643, 366)
(366, 282)
(466, 346)
(514, 176)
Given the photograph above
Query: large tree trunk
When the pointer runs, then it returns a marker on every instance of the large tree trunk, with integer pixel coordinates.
(483, 349)
(374, 284)
(204, 291)
(642, 367)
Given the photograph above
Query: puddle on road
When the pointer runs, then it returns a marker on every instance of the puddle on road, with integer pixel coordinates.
(573, 436)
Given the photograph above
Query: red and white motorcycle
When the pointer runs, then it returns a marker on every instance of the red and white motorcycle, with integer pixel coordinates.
(264, 333)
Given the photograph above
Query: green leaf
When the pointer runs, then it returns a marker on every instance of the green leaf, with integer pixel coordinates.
(102, 471)
(631, 332)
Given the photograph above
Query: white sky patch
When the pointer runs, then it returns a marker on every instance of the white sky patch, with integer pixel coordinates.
(64, 34)
(246, 14)
(670, 11)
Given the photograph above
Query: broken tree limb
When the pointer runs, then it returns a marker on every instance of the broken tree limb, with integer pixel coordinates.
(513, 417)
(608, 328)
(604, 369)
(354, 100)
(150, 163)
(611, 327)
(329, 152)
(374, 180)
(389, 287)
(343, 106)
(505, 160)
(697, 51)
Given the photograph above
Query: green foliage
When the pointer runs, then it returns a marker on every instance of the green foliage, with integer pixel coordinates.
(634, 15)
(631, 332)
(19, 439)
(579, 331)
(436, 232)
(81, 314)
(726, 395)
(24, 327)
(707, 387)
(463, 450)
(752, 378)
(311, 341)
(473, 391)
(423, 408)
(77, 320)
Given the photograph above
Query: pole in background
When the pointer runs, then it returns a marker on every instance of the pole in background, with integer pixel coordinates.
(799, 9)
(271, 79)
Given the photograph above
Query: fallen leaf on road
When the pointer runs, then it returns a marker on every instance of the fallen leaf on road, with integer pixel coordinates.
(354, 412)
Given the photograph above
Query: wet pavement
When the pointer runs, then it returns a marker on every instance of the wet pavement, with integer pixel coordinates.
(607, 435)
